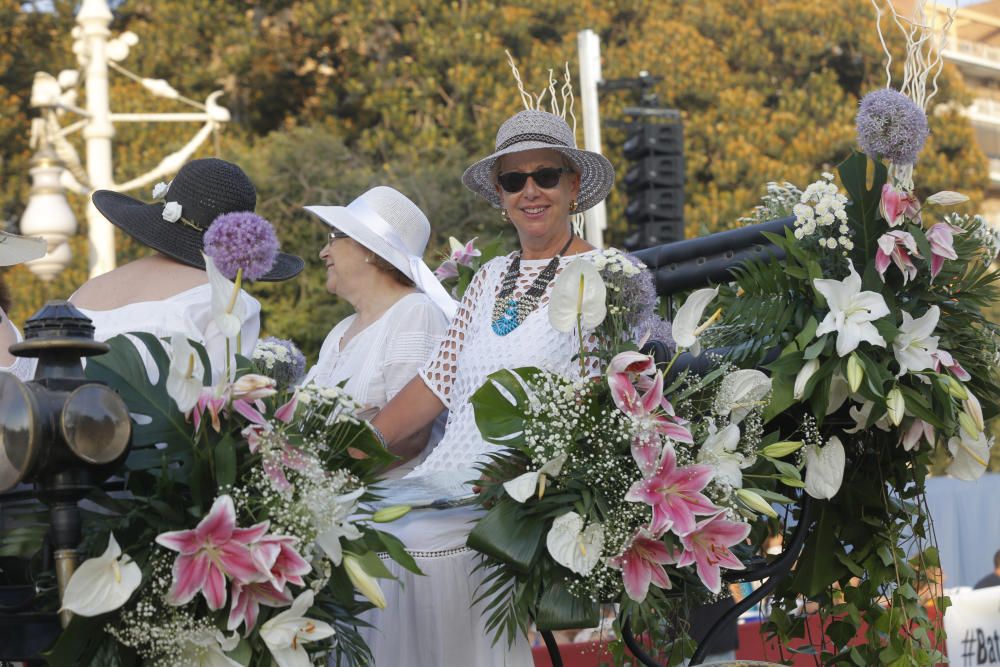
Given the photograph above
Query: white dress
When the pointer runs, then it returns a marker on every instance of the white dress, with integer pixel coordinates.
(188, 313)
(378, 361)
(430, 620)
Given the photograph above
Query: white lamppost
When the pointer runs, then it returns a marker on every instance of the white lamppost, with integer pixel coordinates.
(57, 167)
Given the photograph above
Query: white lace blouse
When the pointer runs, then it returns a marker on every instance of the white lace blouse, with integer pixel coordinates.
(188, 313)
(379, 361)
(472, 350)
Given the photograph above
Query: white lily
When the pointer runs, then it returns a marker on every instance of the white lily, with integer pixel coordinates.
(208, 649)
(895, 406)
(839, 391)
(102, 584)
(719, 451)
(227, 307)
(740, 392)
(824, 468)
(861, 415)
(852, 312)
(970, 455)
(185, 374)
(914, 346)
(366, 584)
(946, 198)
(578, 294)
(523, 486)
(974, 410)
(333, 524)
(687, 324)
(756, 502)
(802, 378)
(574, 547)
(286, 633)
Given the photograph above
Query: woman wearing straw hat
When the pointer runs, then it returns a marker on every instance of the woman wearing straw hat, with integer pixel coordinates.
(14, 249)
(538, 178)
(168, 292)
(374, 261)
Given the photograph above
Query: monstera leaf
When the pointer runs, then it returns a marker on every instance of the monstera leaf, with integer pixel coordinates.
(160, 433)
(502, 404)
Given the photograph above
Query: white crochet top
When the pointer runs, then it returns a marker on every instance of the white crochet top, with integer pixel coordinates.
(471, 351)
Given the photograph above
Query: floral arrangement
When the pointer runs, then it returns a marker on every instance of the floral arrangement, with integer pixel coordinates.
(244, 535)
(463, 260)
(608, 491)
(885, 362)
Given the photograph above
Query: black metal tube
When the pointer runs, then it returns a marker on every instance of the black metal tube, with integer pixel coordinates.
(553, 648)
(774, 572)
(633, 646)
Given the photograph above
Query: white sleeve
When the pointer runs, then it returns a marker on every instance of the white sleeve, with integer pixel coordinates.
(439, 372)
(23, 368)
(415, 332)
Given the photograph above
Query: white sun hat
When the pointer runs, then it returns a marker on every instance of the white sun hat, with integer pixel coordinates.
(386, 222)
(15, 249)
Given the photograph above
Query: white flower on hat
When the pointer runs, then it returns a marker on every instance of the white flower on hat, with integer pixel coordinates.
(172, 211)
(160, 190)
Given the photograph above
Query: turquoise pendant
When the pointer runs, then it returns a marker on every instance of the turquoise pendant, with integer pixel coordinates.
(508, 321)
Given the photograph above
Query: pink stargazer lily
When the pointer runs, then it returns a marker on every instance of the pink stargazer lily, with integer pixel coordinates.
(652, 413)
(674, 494)
(944, 358)
(642, 565)
(707, 546)
(899, 248)
(942, 241)
(212, 403)
(275, 460)
(287, 566)
(247, 599)
(896, 206)
(210, 552)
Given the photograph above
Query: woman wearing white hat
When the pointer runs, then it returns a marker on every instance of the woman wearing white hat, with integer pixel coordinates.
(374, 261)
(15, 249)
(538, 178)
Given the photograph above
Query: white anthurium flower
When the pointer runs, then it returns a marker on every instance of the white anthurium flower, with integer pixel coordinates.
(740, 392)
(333, 524)
(574, 547)
(802, 378)
(185, 373)
(719, 451)
(227, 307)
(208, 649)
(171, 211)
(687, 324)
(160, 190)
(102, 584)
(946, 198)
(578, 292)
(914, 346)
(523, 486)
(286, 633)
(970, 455)
(852, 312)
(824, 468)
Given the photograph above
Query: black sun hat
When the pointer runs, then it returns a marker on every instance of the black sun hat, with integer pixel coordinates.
(202, 191)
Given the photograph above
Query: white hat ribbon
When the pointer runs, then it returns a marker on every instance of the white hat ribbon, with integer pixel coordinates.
(422, 276)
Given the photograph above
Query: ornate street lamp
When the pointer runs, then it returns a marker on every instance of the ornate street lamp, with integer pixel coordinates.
(54, 97)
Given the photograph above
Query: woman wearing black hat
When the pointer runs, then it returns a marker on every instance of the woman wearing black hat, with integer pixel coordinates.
(168, 292)
(538, 178)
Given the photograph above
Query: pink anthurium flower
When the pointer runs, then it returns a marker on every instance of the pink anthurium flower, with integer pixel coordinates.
(899, 248)
(674, 494)
(896, 206)
(642, 565)
(247, 599)
(942, 241)
(707, 546)
(209, 553)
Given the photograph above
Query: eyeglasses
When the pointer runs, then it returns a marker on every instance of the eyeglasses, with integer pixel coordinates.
(547, 178)
(337, 235)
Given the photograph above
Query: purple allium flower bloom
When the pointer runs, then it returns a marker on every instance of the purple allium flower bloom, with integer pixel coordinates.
(242, 240)
(890, 125)
(639, 291)
(281, 360)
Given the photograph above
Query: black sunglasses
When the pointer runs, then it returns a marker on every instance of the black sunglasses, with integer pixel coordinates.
(337, 235)
(547, 178)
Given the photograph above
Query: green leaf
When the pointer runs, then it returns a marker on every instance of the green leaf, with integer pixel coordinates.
(807, 334)
(558, 609)
(500, 421)
(816, 570)
(398, 551)
(815, 349)
(509, 534)
(78, 641)
(864, 201)
(373, 565)
(225, 462)
(917, 404)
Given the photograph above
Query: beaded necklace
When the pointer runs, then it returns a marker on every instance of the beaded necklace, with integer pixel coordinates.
(509, 312)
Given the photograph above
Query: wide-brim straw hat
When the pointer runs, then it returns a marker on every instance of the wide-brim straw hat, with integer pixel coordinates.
(204, 189)
(386, 222)
(528, 130)
(16, 249)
